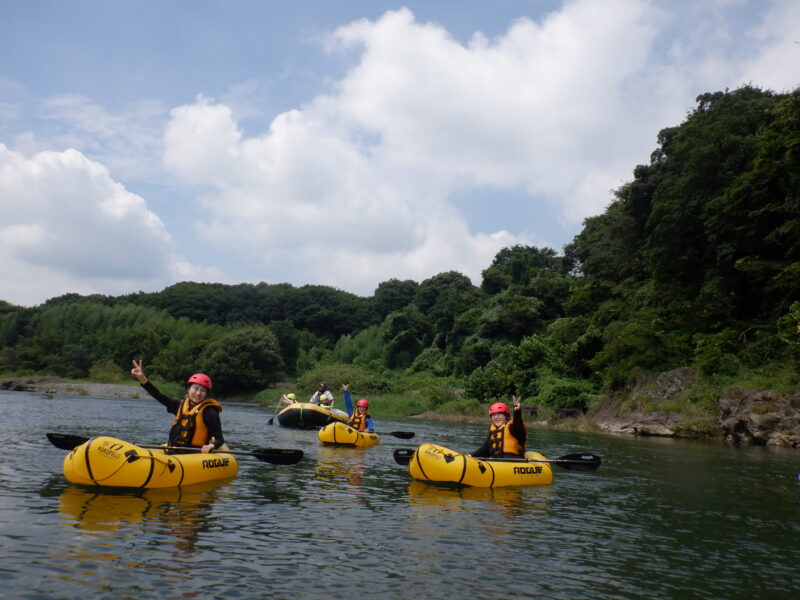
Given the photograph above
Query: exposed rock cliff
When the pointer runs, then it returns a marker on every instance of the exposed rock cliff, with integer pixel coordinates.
(742, 415)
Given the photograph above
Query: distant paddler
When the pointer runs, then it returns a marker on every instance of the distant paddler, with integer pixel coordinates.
(323, 396)
(359, 418)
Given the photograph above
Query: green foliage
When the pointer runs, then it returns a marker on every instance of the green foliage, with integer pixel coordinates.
(245, 359)
(560, 392)
(393, 295)
(467, 407)
(632, 348)
(715, 353)
(439, 394)
(396, 405)
(788, 327)
(442, 298)
(366, 348)
(489, 383)
(362, 382)
(106, 371)
(430, 360)
(407, 332)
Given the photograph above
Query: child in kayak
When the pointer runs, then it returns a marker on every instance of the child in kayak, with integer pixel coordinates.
(197, 423)
(360, 419)
(288, 399)
(507, 434)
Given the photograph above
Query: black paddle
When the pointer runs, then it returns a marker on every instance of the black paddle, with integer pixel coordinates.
(272, 418)
(276, 456)
(570, 462)
(403, 435)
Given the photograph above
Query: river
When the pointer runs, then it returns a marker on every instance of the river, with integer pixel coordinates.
(661, 518)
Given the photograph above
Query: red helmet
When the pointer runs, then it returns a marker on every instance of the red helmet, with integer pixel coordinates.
(363, 402)
(499, 407)
(200, 379)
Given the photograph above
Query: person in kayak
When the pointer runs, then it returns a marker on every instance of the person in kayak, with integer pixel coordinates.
(288, 398)
(323, 396)
(197, 423)
(359, 419)
(507, 434)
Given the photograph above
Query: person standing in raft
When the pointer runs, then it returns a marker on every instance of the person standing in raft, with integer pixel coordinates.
(360, 419)
(197, 422)
(322, 396)
(507, 434)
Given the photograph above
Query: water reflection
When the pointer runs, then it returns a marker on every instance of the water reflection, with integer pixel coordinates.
(180, 514)
(422, 493)
(335, 464)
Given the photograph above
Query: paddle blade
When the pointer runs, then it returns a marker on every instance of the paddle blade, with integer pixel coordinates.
(278, 456)
(66, 441)
(403, 435)
(579, 462)
(402, 456)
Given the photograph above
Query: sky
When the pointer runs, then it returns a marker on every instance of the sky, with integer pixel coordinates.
(148, 142)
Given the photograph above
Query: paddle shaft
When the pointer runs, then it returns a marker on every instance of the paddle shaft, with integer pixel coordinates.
(188, 449)
(403, 435)
(282, 456)
(277, 409)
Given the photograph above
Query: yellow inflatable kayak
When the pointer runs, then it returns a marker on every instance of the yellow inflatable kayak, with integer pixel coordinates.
(305, 415)
(107, 461)
(344, 435)
(438, 464)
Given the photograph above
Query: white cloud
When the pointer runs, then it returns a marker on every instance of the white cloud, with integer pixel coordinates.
(360, 184)
(127, 140)
(68, 227)
(363, 176)
(777, 37)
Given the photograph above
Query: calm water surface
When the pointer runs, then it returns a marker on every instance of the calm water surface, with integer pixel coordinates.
(659, 519)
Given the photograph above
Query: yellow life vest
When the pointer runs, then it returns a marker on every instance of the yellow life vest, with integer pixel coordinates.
(502, 442)
(189, 428)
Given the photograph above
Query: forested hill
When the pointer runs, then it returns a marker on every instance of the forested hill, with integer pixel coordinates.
(696, 262)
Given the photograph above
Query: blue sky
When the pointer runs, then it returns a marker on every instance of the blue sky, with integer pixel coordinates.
(144, 143)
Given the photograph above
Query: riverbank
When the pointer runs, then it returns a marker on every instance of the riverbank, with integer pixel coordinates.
(742, 416)
(52, 386)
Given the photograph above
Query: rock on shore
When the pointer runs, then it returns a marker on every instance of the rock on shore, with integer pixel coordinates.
(743, 416)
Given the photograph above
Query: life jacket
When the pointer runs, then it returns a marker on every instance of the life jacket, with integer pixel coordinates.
(189, 428)
(318, 396)
(358, 421)
(502, 442)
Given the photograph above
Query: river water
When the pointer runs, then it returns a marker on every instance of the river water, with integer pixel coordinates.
(659, 519)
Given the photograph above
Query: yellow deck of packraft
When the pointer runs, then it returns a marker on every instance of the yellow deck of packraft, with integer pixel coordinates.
(344, 435)
(439, 464)
(107, 461)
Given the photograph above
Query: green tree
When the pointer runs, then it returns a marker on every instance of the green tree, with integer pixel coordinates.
(246, 359)
(393, 295)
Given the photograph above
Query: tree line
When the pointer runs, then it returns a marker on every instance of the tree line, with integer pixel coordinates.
(695, 262)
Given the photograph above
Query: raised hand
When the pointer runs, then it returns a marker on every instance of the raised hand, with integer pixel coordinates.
(138, 372)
